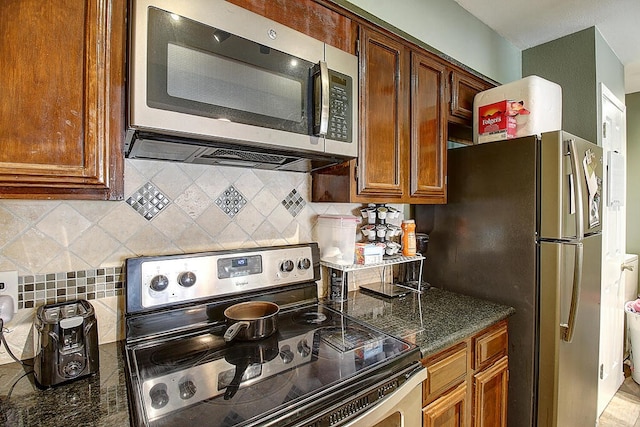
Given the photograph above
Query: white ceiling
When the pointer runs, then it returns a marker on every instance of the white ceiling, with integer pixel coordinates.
(528, 23)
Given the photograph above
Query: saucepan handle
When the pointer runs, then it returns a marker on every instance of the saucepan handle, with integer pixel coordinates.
(234, 329)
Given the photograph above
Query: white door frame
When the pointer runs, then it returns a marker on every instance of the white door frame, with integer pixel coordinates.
(611, 354)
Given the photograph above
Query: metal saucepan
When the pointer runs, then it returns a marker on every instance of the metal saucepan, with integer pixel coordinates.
(251, 320)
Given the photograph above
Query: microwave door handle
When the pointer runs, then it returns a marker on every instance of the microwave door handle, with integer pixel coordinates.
(566, 329)
(324, 98)
(577, 190)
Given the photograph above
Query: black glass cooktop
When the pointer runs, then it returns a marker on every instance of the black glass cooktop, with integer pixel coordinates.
(315, 356)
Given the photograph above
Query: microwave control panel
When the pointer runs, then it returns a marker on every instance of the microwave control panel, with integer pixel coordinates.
(340, 120)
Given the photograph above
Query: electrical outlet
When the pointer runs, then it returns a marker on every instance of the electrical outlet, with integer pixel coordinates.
(9, 286)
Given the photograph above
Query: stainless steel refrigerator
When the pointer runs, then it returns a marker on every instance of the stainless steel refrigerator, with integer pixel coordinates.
(522, 227)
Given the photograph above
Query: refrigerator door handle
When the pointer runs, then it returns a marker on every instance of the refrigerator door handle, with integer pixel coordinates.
(577, 191)
(566, 329)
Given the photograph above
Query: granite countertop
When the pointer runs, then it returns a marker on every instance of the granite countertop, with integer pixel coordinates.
(98, 400)
(101, 399)
(447, 317)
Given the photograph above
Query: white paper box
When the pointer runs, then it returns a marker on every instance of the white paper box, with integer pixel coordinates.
(540, 98)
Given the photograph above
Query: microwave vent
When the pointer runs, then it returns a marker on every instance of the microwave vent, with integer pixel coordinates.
(227, 154)
(160, 146)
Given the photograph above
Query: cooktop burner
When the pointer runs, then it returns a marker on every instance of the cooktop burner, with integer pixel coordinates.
(190, 351)
(312, 318)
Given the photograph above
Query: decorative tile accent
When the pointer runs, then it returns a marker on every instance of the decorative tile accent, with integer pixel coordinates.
(294, 203)
(231, 201)
(53, 288)
(148, 201)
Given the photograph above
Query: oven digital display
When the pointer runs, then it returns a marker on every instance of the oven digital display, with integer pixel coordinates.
(239, 262)
(239, 266)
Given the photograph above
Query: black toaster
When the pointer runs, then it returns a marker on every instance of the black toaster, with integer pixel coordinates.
(67, 342)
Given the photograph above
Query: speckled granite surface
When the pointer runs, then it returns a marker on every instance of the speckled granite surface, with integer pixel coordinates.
(101, 400)
(446, 317)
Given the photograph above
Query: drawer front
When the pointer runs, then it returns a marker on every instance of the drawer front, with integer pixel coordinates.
(490, 346)
(444, 373)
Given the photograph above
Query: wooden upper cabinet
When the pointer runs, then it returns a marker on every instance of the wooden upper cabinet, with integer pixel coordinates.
(428, 147)
(402, 132)
(62, 105)
(382, 157)
(464, 88)
(308, 17)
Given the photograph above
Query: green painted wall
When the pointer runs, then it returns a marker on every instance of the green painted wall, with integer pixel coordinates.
(450, 29)
(578, 62)
(570, 62)
(632, 102)
(609, 68)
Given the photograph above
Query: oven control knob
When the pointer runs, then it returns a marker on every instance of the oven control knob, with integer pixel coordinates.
(159, 396)
(287, 266)
(187, 279)
(159, 283)
(303, 348)
(286, 354)
(187, 389)
(304, 264)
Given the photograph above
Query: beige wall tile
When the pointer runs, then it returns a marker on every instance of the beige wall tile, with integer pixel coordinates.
(32, 250)
(42, 237)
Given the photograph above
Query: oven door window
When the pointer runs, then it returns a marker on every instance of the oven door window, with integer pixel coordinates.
(196, 69)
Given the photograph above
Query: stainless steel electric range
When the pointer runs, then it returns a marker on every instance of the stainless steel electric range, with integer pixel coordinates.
(321, 368)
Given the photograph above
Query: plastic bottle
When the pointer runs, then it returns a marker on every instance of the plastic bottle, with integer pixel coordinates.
(408, 237)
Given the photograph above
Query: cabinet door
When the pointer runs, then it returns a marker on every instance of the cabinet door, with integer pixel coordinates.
(464, 88)
(428, 146)
(62, 104)
(308, 17)
(383, 115)
(448, 410)
(490, 395)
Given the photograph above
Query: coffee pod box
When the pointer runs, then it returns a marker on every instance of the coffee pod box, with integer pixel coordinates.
(529, 106)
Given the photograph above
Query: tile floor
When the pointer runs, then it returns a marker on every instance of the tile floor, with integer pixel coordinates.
(624, 408)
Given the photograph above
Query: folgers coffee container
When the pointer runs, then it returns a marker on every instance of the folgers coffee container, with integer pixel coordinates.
(408, 237)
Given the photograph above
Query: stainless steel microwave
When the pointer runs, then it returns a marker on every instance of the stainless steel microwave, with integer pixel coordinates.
(213, 83)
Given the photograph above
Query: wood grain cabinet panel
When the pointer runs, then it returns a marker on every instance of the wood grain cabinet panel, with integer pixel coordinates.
(445, 371)
(490, 346)
(448, 411)
(467, 383)
(308, 17)
(402, 132)
(383, 102)
(428, 129)
(62, 105)
(464, 87)
(490, 390)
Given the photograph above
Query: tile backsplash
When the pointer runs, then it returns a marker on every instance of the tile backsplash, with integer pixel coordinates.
(84, 284)
(69, 249)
